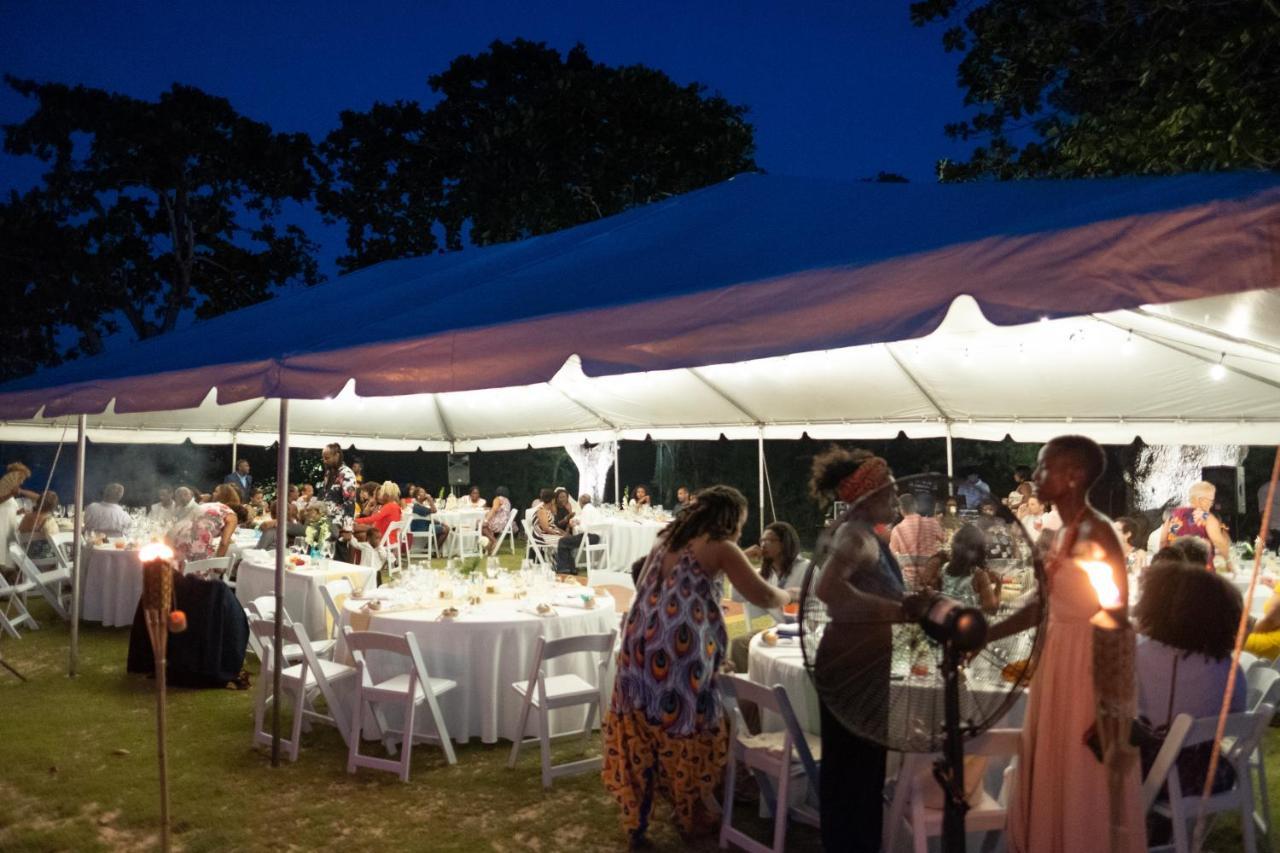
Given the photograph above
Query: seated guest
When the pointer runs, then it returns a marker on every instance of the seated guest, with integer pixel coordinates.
(422, 508)
(564, 512)
(258, 503)
(1197, 519)
(544, 519)
(388, 511)
(915, 540)
(966, 577)
(471, 500)
(682, 497)
(270, 527)
(495, 520)
(184, 500)
(640, 497)
(10, 486)
(1263, 638)
(306, 495)
(781, 566)
(107, 516)
(162, 510)
(366, 499)
(567, 547)
(1187, 620)
(1193, 549)
(294, 496)
(36, 528)
(1129, 530)
(206, 531)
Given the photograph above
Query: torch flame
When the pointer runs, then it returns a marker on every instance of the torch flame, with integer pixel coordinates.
(155, 551)
(1103, 582)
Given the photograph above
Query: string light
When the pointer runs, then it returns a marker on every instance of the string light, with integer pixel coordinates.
(1127, 347)
(1219, 371)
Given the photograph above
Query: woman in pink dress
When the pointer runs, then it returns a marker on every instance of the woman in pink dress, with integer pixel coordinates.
(1061, 803)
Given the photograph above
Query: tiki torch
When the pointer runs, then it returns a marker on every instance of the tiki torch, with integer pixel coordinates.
(1115, 699)
(157, 598)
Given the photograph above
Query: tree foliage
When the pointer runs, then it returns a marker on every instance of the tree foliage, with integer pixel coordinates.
(149, 208)
(1067, 88)
(524, 141)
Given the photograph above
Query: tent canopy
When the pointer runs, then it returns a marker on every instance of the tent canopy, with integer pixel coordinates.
(760, 306)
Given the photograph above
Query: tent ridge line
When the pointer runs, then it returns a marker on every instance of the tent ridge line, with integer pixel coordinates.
(1204, 330)
(1188, 353)
(581, 405)
(919, 386)
(696, 373)
(444, 421)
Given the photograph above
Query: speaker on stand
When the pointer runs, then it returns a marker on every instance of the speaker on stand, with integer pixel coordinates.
(1229, 501)
(459, 470)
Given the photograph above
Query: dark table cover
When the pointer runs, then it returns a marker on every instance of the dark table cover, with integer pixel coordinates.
(211, 651)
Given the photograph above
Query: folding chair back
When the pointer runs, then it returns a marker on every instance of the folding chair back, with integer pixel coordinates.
(508, 534)
(214, 565)
(13, 607)
(1242, 735)
(772, 757)
(409, 690)
(1263, 686)
(545, 693)
(301, 682)
(335, 594)
(594, 557)
(54, 585)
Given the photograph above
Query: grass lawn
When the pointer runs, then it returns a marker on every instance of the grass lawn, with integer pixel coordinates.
(79, 773)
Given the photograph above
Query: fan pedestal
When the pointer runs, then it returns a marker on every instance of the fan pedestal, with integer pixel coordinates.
(949, 769)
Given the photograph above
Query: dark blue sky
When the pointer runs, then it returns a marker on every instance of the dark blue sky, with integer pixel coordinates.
(836, 89)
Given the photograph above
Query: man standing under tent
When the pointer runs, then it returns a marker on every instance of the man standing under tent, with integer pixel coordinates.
(242, 480)
(339, 494)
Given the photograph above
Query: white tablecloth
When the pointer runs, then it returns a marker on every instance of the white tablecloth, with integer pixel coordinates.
(112, 586)
(455, 518)
(485, 650)
(302, 599)
(628, 539)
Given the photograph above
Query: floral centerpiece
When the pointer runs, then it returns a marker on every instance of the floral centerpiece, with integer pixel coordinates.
(317, 522)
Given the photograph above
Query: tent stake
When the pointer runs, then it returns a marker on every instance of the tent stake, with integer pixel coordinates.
(282, 542)
(76, 551)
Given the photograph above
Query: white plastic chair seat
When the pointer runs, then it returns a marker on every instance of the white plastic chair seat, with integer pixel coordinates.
(566, 689)
(293, 652)
(772, 742)
(332, 671)
(985, 813)
(397, 687)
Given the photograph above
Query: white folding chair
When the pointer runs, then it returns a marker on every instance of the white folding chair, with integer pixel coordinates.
(370, 556)
(1242, 735)
(335, 594)
(987, 813)
(775, 758)
(214, 565)
(413, 688)
(508, 534)
(13, 607)
(264, 607)
(63, 545)
(594, 557)
(424, 541)
(546, 693)
(467, 540)
(54, 585)
(398, 542)
(302, 682)
(1263, 689)
(543, 547)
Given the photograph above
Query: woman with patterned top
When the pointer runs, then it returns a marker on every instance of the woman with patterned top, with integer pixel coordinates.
(206, 531)
(665, 734)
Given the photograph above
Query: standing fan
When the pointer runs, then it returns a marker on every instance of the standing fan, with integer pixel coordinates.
(917, 686)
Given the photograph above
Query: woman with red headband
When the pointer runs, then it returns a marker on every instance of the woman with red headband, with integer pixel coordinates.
(861, 583)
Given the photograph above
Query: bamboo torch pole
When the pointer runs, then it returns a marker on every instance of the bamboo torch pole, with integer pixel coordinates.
(157, 598)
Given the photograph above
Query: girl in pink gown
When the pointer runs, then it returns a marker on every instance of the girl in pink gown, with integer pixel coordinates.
(1061, 803)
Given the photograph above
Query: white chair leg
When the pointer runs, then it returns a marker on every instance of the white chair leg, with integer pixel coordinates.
(781, 810)
(730, 785)
(590, 724)
(406, 740)
(544, 736)
(1263, 813)
(523, 727)
(357, 720)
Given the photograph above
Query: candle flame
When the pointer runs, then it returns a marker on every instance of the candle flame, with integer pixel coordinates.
(1103, 581)
(155, 551)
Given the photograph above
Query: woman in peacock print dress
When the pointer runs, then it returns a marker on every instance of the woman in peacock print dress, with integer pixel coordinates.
(665, 734)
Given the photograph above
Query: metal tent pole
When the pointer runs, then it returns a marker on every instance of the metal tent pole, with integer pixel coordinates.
(76, 551)
(235, 448)
(760, 444)
(617, 461)
(282, 542)
(951, 465)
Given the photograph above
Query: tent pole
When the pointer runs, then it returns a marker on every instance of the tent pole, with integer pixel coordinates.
(234, 450)
(760, 445)
(76, 550)
(617, 479)
(282, 542)
(951, 466)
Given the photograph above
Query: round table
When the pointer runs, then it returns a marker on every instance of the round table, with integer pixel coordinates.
(456, 518)
(112, 586)
(486, 649)
(303, 602)
(628, 539)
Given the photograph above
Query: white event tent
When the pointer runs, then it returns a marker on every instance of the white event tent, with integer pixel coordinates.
(762, 307)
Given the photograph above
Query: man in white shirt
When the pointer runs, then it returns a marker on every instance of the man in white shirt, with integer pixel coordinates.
(162, 509)
(567, 547)
(184, 500)
(106, 515)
